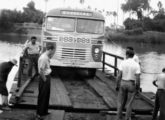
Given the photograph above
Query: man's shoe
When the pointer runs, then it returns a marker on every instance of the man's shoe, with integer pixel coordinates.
(6, 108)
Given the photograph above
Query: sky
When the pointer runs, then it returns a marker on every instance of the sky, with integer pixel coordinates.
(107, 5)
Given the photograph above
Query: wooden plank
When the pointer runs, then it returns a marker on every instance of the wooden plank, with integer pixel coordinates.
(82, 95)
(146, 98)
(101, 88)
(22, 88)
(32, 89)
(59, 94)
(55, 115)
(28, 100)
(14, 88)
(18, 114)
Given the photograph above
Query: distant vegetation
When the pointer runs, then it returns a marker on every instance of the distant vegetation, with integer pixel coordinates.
(138, 7)
(143, 29)
(9, 19)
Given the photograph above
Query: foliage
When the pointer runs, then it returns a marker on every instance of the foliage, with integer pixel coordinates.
(146, 24)
(132, 24)
(30, 14)
(136, 6)
(137, 31)
(10, 17)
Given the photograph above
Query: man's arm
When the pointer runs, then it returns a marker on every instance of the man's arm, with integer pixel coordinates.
(154, 83)
(42, 74)
(24, 51)
(41, 66)
(137, 81)
(119, 76)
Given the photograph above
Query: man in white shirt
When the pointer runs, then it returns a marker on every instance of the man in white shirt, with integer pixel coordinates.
(160, 96)
(44, 81)
(33, 49)
(128, 82)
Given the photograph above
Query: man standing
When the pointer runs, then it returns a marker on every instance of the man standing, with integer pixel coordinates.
(160, 96)
(5, 69)
(128, 82)
(33, 50)
(44, 81)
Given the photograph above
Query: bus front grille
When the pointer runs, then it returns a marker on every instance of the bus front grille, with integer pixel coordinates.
(73, 53)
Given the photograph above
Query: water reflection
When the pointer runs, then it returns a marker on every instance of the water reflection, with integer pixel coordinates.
(152, 57)
(9, 50)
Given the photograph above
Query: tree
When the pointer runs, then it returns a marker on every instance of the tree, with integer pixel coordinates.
(82, 1)
(114, 13)
(160, 7)
(136, 6)
(31, 14)
(31, 5)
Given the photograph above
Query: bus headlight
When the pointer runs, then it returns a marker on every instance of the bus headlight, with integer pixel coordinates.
(97, 50)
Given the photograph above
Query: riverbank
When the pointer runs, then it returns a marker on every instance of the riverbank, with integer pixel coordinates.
(13, 37)
(146, 37)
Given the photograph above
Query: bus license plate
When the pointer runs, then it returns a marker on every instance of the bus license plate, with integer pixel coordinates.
(74, 40)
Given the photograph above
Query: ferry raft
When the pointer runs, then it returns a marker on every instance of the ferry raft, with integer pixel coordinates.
(73, 97)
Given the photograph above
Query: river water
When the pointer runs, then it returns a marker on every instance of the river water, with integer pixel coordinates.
(152, 56)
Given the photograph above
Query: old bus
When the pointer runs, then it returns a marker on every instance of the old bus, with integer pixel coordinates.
(77, 36)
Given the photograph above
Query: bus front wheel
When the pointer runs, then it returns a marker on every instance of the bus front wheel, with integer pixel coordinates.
(91, 72)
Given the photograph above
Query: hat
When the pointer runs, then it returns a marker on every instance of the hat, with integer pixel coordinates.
(14, 61)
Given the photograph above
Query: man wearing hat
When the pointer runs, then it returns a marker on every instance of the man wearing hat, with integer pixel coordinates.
(5, 68)
(33, 49)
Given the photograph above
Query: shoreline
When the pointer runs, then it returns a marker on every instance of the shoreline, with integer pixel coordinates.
(146, 37)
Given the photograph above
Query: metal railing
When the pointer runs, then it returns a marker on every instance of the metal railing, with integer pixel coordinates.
(108, 64)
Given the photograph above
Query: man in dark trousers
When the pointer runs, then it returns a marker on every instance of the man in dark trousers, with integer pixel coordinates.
(5, 68)
(128, 82)
(160, 96)
(44, 81)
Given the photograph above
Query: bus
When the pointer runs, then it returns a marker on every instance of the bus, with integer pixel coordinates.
(78, 38)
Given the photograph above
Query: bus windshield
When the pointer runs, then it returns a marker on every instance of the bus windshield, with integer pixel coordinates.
(90, 26)
(60, 24)
(68, 25)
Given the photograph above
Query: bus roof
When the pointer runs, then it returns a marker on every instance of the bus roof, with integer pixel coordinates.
(78, 13)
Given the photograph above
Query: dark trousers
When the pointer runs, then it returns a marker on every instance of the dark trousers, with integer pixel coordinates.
(43, 96)
(159, 104)
(3, 88)
(33, 61)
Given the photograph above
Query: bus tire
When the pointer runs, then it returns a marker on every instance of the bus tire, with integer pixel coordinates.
(91, 73)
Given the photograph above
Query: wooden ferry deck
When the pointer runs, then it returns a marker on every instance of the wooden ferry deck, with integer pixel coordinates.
(72, 94)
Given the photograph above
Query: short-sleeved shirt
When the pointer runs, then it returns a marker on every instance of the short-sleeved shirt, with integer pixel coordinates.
(33, 49)
(44, 64)
(129, 69)
(161, 81)
(136, 58)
